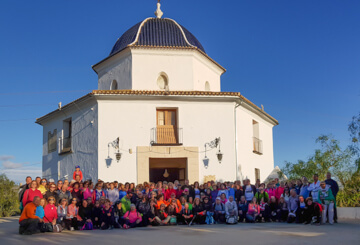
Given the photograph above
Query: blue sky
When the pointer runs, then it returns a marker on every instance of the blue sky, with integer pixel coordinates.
(300, 59)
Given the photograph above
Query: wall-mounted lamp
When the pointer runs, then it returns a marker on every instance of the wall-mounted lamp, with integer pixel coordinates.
(213, 144)
(115, 145)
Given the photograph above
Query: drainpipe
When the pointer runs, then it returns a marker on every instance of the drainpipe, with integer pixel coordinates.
(237, 104)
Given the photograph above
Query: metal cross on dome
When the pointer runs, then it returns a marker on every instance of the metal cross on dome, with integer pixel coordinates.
(158, 12)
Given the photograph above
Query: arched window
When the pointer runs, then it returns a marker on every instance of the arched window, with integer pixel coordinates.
(163, 81)
(207, 86)
(114, 85)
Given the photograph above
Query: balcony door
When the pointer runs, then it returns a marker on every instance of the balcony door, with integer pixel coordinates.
(166, 126)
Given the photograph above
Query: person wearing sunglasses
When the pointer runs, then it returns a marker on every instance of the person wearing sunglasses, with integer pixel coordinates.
(43, 186)
(72, 216)
(52, 192)
(50, 211)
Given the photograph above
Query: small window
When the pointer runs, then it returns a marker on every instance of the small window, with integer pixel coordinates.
(207, 86)
(163, 81)
(52, 141)
(66, 136)
(257, 143)
(257, 174)
(114, 85)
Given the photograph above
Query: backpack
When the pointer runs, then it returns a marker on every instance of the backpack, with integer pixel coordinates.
(231, 220)
(46, 227)
(173, 221)
(88, 226)
(209, 219)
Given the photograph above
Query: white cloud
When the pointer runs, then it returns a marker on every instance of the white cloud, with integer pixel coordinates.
(19, 175)
(18, 171)
(6, 157)
(11, 165)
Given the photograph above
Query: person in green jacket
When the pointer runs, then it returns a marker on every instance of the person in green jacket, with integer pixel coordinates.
(261, 194)
(327, 200)
(126, 202)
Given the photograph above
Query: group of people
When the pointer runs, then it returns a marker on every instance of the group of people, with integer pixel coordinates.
(49, 206)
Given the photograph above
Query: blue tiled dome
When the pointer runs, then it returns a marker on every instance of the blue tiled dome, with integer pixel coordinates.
(157, 32)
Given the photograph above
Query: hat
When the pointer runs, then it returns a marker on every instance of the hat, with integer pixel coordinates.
(77, 166)
(132, 205)
(218, 198)
(51, 180)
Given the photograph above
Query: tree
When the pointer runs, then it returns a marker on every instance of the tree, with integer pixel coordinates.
(9, 204)
(343, 164)
(330, 158)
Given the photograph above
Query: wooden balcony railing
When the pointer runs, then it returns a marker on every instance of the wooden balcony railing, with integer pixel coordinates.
(166, 135)
(258, 149)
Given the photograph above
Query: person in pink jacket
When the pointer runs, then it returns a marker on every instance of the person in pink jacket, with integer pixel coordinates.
(132, 218)
(87, 192)
(72, 216)
(270, 190)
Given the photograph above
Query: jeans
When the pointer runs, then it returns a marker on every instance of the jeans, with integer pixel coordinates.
(329, 210)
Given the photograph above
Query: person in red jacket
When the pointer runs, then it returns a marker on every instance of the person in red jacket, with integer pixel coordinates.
(50, 211)
(169, 191)
(78, 172)
(31, 193)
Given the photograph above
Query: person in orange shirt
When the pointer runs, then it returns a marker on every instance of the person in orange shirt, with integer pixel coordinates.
(160, 200)
(173, 198)
(28, 220)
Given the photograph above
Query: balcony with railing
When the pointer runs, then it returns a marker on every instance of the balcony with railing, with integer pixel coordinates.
(258, 149)
(166, 136)
(65, 145)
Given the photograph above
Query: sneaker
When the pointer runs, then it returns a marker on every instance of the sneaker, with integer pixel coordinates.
(72, 228)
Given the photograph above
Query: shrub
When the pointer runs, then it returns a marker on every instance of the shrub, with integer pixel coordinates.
(9, 203)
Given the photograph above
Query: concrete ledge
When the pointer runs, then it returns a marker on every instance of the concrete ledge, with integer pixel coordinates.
(348, 213)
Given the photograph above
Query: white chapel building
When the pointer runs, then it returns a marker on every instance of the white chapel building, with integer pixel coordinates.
(158, 114)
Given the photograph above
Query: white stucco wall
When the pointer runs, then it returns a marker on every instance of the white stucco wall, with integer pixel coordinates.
(84, 143)
(139, 69)
(248, 160)
(119, 68)
(132, 117)
(202, 121)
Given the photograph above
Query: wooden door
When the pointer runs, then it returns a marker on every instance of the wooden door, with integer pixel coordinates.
(166, 126)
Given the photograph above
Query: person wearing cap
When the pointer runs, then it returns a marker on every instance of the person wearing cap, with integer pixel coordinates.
(132, 218)
(77, 172)
(327, 200)
(219, 211)
(126, 202)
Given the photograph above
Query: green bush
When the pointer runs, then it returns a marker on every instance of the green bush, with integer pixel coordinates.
(9, 204)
